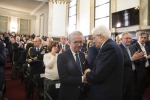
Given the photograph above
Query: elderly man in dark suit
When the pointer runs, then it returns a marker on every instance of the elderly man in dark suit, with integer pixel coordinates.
(62, 45)
(2, 64)
(142, 66)
(129, 74)
(17, 48)
(71, 65)
(107, 73)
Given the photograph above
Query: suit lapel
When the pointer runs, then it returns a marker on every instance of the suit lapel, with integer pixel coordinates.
(124, 50)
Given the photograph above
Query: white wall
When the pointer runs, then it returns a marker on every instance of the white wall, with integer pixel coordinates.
(13, 24)
(32, 27)
(84, 17)
(59, 20)
(126, 4)
(44, 10)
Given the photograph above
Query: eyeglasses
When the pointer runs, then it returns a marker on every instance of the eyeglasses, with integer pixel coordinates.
(78, 42)
(128, 38)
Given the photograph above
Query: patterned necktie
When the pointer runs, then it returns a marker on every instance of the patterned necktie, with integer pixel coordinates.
(129, 53)
(78, 61)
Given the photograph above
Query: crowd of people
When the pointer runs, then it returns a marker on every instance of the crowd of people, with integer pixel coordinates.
(100, 69)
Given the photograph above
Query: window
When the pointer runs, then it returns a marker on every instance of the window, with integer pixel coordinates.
(102, 12)
(3, 23)
(24, 26)
(72, 16)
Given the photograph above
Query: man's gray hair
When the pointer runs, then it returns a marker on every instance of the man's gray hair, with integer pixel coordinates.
(72, 34)
(102, 29)
(124, 34)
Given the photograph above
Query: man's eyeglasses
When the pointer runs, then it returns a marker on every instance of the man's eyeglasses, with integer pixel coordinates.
(78, 42)
(128, 38)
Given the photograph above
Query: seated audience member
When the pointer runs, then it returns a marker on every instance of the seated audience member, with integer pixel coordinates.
(50, 62)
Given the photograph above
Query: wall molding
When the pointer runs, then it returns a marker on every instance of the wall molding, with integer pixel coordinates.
(14, 13)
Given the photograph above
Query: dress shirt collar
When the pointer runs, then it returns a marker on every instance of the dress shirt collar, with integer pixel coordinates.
(141, 44)
(103, 43)
(125, 46)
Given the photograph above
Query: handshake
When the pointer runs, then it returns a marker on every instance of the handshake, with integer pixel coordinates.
(84, 75)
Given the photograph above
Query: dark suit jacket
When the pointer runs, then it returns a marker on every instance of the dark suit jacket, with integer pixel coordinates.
(107, 74)
(147, 43)
(127, 66)
(66, 47)
(133, 41)
(140, 64)
(92, 53)
(36, 66)
(23, 56)
(16, 51)
(70, 75)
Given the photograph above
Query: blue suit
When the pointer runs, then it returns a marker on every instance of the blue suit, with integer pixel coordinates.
(92, 53)
(107, 74)
(70, 75)
(2, 64)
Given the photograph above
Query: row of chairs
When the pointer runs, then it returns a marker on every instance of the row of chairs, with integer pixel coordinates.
(38, 84)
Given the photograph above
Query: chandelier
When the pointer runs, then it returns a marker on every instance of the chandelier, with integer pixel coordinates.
(60, 1)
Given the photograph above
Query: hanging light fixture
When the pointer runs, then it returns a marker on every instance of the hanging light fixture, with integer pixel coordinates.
(60, 1)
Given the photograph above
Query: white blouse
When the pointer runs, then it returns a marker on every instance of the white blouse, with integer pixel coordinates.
(50, 62)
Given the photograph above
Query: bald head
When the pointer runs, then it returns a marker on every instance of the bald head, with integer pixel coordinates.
(63, 39)
(37, 41)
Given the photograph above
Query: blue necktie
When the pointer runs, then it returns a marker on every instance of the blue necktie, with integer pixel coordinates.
(78, 61)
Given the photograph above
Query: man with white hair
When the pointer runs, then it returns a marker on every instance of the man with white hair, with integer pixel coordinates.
(107, 74)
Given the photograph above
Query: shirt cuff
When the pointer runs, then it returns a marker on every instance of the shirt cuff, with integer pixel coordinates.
(82, 79)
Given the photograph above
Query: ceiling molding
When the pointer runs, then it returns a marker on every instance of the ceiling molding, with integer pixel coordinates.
(19, 14)
(36, 9)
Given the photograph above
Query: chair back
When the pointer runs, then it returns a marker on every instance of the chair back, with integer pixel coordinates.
(53, 89)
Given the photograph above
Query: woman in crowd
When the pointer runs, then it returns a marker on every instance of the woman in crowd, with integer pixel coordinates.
(50, 62)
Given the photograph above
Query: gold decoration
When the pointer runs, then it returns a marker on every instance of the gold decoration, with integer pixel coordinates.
(33, 58)
(60, 1)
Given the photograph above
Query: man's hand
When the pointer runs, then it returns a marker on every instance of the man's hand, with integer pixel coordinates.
(85, 72)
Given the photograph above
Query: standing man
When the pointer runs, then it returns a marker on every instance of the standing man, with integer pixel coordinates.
(17, 48)
(129, 73)
(71, 65)
(63, 46)
(35, 60)
(107, 74)
(142, 66)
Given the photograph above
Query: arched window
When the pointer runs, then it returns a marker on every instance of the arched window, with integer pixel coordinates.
(102, 12)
